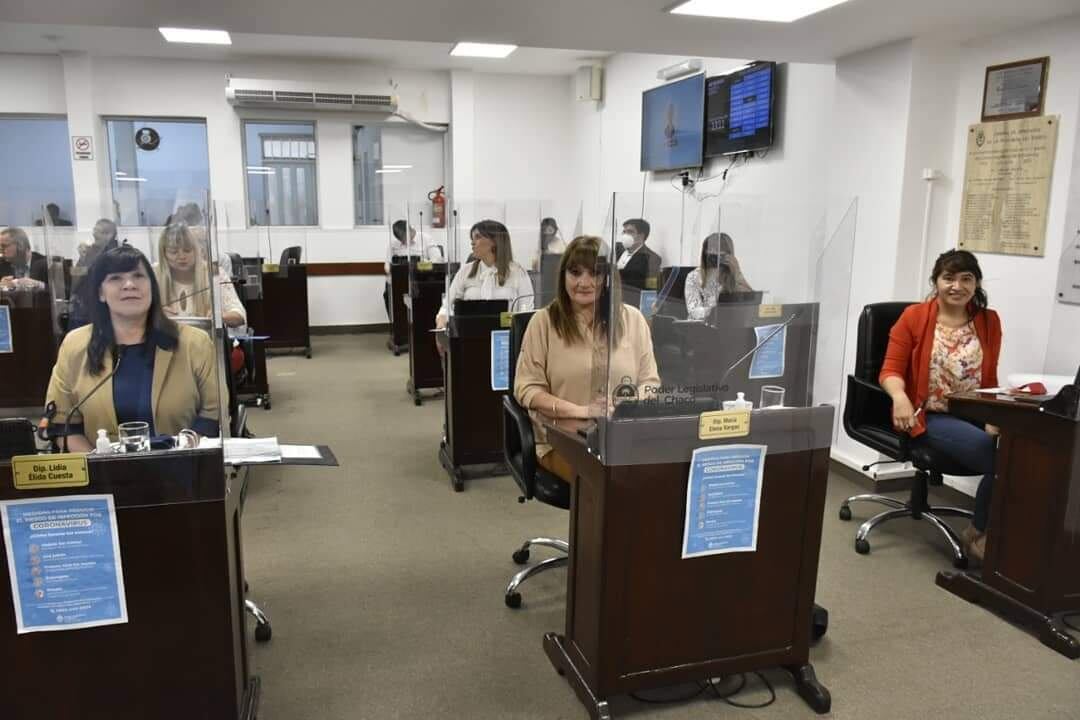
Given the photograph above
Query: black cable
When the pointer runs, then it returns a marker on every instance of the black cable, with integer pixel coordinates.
(667, 701)
(747, 706)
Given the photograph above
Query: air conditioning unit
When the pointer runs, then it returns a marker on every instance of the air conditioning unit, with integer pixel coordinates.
(250, 92)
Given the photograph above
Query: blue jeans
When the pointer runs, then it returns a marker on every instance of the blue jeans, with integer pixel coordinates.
(972, 447)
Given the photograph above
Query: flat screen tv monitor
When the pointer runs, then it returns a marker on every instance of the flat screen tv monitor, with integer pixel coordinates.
(672, 125)
(740, 110)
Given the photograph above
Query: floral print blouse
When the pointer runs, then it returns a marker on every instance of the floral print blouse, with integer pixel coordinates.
(955, 364)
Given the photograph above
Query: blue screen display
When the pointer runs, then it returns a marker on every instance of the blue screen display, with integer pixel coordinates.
(750, 103)
(739, 110)
(672, 125)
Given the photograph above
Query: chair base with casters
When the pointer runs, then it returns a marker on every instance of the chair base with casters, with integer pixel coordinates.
(917, 507)
(512, 597)
(263, 629)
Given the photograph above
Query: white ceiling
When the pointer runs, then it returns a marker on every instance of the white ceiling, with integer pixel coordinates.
(146, 42)
(600, 25)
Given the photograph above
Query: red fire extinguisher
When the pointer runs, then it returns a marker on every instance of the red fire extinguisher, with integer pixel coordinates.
(438, 207)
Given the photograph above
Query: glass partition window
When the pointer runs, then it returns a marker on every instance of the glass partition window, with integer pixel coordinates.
(153, 163)
(393, 165)
(280, 167)
(36, 154)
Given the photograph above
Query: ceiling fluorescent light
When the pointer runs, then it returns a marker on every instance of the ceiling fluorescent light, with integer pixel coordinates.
(397, 167)
(200, 37)
(130, 179)
(482, 50)
(385, 171)
(259, 167)
(764, 10)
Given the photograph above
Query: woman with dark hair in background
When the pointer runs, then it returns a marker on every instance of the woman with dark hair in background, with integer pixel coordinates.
(554, 376)
(165, 373)
(718, 272)
(551, 241)
(948, 344)
(491, 275)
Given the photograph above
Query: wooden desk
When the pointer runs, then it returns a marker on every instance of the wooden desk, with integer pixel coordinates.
(638, 616)
(183, 652)
(282, 310)
(474, 431)
(25, 373)
(426, 288)
(399, 314)
(1031, 573)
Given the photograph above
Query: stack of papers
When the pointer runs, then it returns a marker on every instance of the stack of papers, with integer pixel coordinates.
(246, 451)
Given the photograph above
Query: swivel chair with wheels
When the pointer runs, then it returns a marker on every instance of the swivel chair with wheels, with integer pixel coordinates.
(868, 420)
(535, 482)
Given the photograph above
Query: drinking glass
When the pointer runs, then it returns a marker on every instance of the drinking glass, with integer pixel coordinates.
(771, 396)
(134, 437)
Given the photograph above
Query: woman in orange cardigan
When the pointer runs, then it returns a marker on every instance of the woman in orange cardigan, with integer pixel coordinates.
(948, 344)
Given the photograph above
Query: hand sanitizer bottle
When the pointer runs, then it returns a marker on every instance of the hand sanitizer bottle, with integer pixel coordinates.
(104, 447)
(739, 403)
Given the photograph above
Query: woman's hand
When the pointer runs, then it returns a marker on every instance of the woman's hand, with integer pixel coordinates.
(903, 413)
(440, 322)
(992, 430)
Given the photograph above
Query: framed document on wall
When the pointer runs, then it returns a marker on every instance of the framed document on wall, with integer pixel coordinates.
(1015, 90)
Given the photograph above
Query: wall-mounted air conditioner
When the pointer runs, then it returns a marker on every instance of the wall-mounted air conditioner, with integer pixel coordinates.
(250, 92)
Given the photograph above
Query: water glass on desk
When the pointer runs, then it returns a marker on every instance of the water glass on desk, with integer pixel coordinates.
(134, 437)
(771, 396)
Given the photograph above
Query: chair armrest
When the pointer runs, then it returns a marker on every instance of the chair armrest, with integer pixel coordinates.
(518, 438)
(867, 404)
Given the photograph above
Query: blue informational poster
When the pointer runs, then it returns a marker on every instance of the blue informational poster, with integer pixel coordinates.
(768, 361)
(648, 302)
(6, 343)
(723, 499)
(63, 558)
(500, 360)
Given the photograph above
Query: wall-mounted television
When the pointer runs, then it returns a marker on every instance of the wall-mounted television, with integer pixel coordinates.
(672, 123)
(740, 110)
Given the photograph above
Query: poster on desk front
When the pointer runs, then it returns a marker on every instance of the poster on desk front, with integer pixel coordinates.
(723, 500)
(1007, 186)
(63, 557)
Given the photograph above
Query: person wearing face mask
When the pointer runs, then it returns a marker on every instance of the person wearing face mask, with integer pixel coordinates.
(948, 344)
(718, 272)
(636, 262)
(20, 267)
(551, 241)
(165, 373)
(554, 378)
(492, 274)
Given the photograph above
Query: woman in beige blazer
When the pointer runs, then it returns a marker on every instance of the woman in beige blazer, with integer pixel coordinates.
(163, 373)
(571, 347)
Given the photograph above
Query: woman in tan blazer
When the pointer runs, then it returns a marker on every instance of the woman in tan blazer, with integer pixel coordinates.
(566, 357)
(163, 374)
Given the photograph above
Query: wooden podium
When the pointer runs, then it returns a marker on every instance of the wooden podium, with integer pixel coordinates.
(183, 652)
(474, 431)
(638, 616)
(282, 311)
(1031, 573)
(26, 370)
(399, 314)
(427, 283)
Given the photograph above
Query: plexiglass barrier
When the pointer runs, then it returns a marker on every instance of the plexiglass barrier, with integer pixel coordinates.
(705, 304)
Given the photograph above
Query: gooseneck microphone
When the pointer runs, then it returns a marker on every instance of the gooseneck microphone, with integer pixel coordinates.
(78, 405)
(757, 347)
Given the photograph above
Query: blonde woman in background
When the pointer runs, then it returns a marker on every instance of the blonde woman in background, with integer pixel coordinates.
(184, 276)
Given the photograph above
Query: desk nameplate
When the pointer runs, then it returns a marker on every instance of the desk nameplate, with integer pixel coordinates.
(47, 472)
(720, 424)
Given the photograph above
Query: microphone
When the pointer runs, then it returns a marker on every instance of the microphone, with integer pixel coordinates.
(188, 296)
(78, 405)
(757, 347)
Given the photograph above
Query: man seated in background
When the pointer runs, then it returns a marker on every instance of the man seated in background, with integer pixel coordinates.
(20, 267)
(636, 262)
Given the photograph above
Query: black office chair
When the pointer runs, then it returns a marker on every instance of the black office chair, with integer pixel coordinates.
(290, 256)
(868, 420)
(16, 438)
(535, 482)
